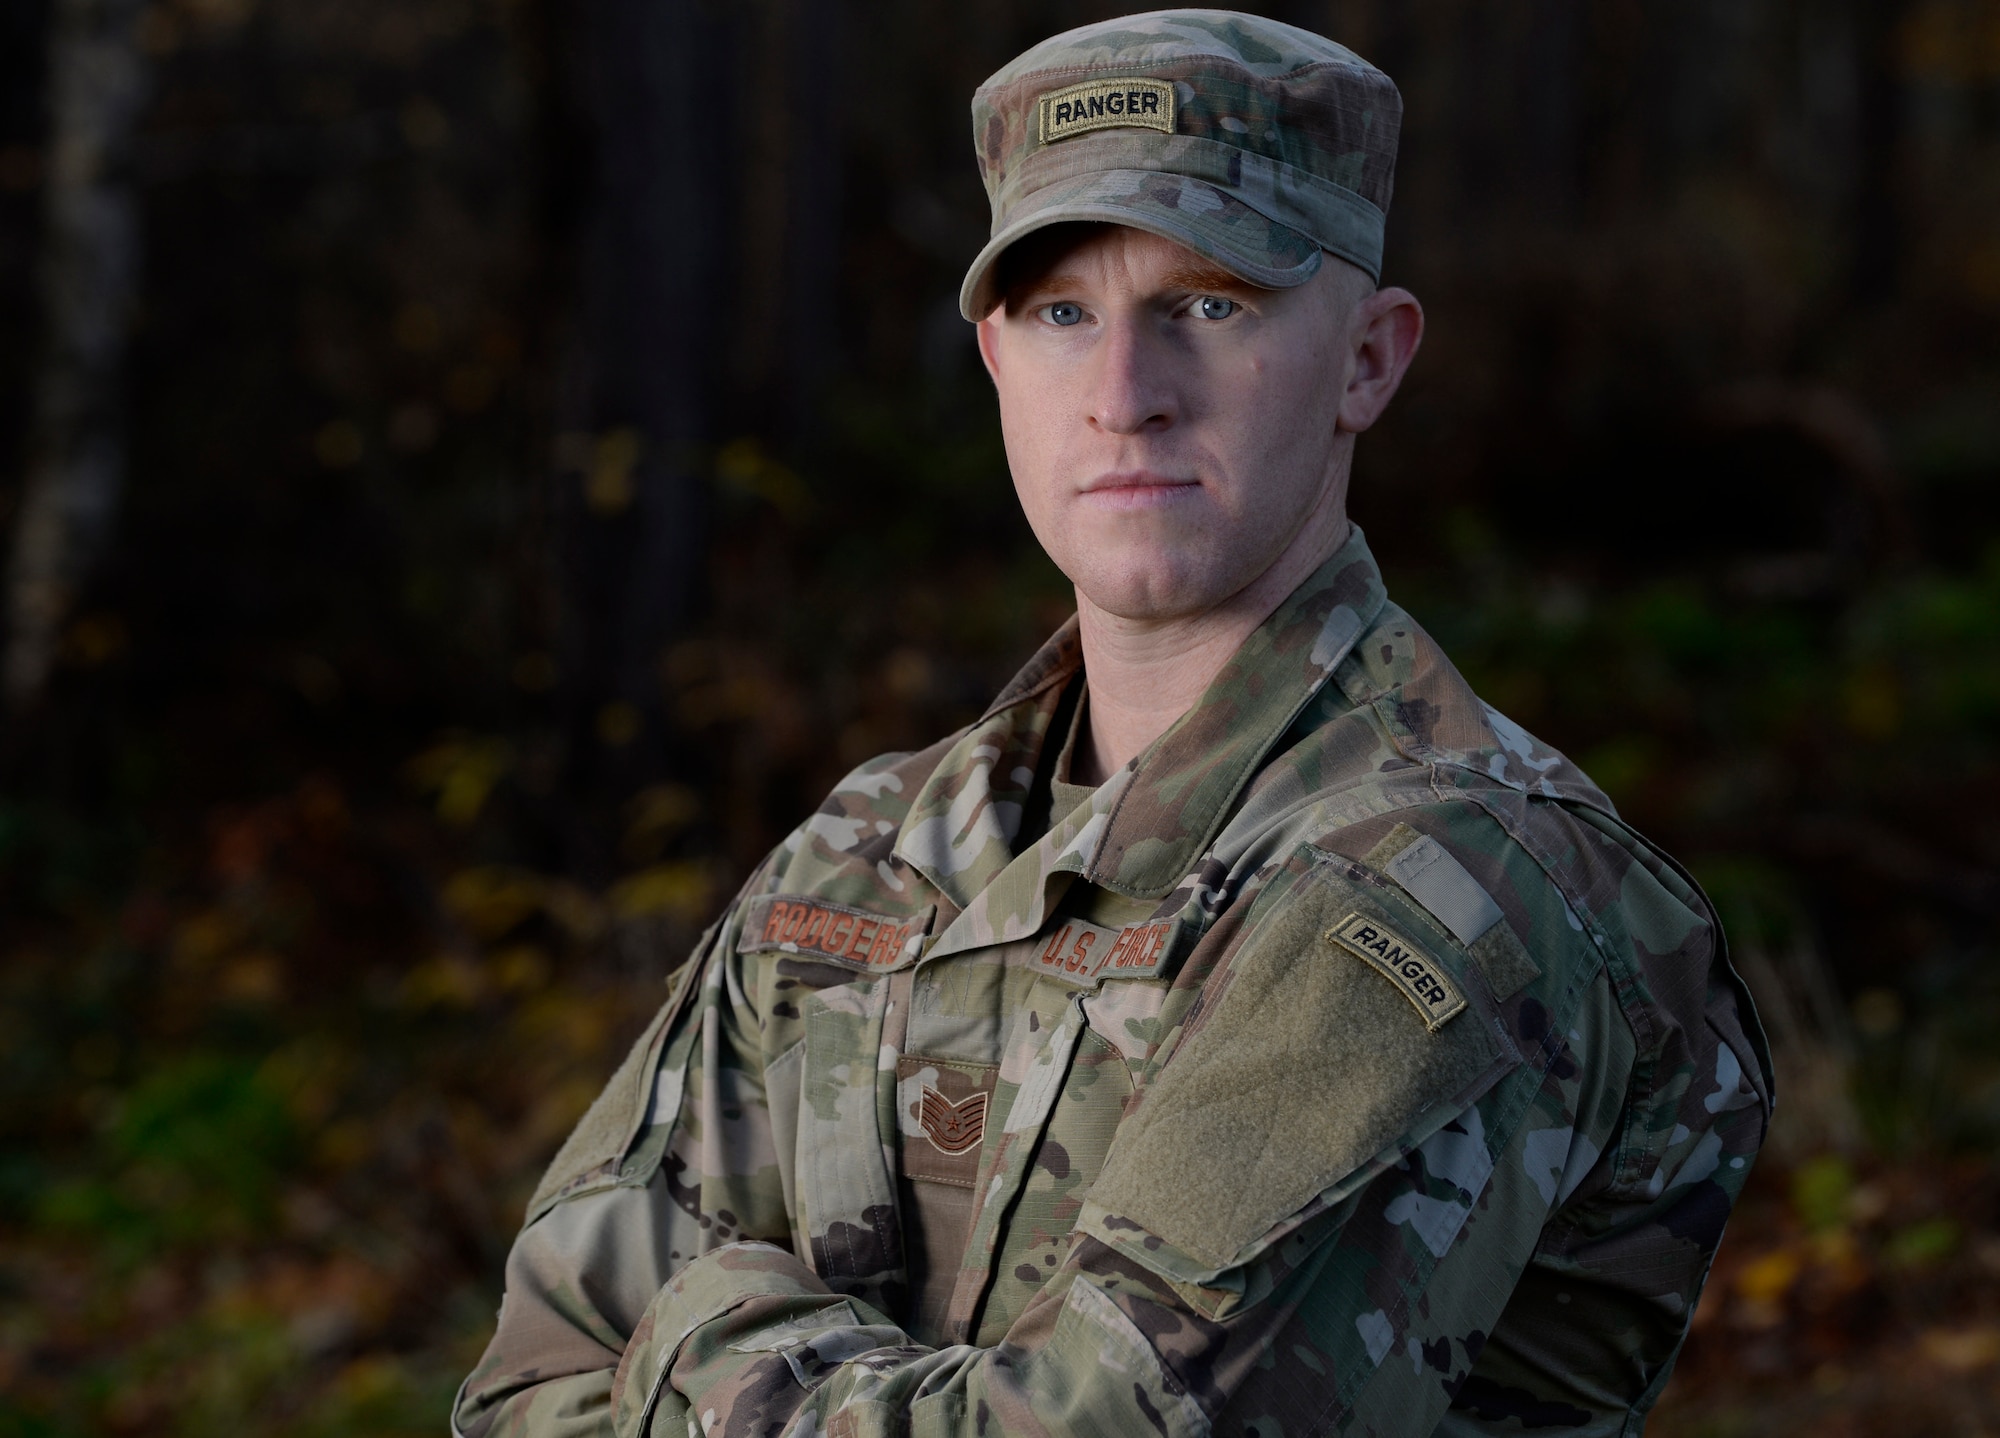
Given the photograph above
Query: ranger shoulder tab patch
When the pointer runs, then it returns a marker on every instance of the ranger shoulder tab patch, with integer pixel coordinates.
(1104, 105)
(1421, 978)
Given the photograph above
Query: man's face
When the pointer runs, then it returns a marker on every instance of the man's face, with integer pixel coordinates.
(1171, 429)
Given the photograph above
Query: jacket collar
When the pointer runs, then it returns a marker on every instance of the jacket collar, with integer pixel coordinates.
(1185, 786)
(1145, 826)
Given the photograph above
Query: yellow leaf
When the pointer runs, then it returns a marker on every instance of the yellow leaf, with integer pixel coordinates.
(1962, 1350)
(680, 890)
(573, 907)
(448, 981)
(494, 898)
(609, 487)
(462, 771)
(1770, 1278)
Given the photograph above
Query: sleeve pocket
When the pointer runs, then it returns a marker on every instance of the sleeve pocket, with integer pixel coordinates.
(619, 1113)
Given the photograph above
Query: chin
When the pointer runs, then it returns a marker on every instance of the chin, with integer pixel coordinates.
(1149, 588)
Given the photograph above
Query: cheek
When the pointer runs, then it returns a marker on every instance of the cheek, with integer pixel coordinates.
(1037, 408)
(1253, 408)
(1271, 413)
(1027, 431)
(1293, 398)
(1022, 425)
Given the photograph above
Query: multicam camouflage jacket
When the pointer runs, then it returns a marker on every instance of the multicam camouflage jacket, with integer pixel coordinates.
(1342, 1064)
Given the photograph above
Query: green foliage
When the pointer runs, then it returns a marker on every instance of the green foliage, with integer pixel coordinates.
(1822, 1193)
(1924, 1243)
(192, 1155)
(1925, 659)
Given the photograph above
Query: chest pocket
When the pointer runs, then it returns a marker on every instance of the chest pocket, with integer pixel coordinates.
(1320, 1055)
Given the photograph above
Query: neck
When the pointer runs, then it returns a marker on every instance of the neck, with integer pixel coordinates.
(1146, 673)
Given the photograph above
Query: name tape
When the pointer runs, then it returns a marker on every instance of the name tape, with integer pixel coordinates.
(1104, 105)
(1422, 979)
(1081, 954)
(854, 938)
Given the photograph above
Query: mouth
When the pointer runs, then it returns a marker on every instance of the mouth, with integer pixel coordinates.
(1136, 489)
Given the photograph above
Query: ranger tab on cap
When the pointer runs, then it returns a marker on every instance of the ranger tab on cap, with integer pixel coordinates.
(1256, 144)
(1106, 105)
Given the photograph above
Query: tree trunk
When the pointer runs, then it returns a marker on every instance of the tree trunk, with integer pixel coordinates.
(1878, 193)
(89, 277)
(654, 84)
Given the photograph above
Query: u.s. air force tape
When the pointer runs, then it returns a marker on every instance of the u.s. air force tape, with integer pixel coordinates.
(1083, 954)
(1421, 978)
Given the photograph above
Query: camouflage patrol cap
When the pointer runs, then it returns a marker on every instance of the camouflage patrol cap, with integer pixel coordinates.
(1253, 143)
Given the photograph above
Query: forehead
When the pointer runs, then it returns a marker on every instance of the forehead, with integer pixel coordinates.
(1080, 252)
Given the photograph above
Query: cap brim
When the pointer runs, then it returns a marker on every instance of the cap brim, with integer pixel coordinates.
(1191, 212)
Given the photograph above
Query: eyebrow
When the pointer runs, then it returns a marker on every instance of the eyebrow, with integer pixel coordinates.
(1200, 279)
(1207, 279)
(1044, 285)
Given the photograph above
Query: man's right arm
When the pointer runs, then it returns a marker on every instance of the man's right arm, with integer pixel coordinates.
(691, 1166)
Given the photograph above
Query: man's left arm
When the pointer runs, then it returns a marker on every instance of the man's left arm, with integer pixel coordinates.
(1596, 1320)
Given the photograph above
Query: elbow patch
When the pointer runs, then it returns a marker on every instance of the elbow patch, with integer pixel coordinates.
(1317, 1061)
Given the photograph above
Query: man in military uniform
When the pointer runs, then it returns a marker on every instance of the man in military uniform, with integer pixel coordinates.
(1240, 1027)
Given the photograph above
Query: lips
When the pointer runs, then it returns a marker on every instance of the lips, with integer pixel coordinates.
(1136, 489)
(1135, 479)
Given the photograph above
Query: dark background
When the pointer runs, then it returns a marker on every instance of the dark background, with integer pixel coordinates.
(475, 471)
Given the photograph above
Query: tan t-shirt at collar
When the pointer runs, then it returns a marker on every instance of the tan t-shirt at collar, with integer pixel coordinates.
(1064, 797)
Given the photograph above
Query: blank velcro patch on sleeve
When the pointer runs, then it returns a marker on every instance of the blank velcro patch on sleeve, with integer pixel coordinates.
(1423, 980)
(1306, 1071)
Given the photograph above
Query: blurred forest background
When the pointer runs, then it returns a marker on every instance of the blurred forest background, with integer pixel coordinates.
(476, 470)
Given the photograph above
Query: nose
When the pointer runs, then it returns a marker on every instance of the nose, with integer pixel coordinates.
(1132, 391)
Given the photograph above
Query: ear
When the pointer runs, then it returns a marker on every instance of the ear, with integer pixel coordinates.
(1387, 328)
(988, 331)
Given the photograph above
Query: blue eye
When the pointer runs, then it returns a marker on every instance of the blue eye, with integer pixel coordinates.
(1065, 313)
(1214, 308)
